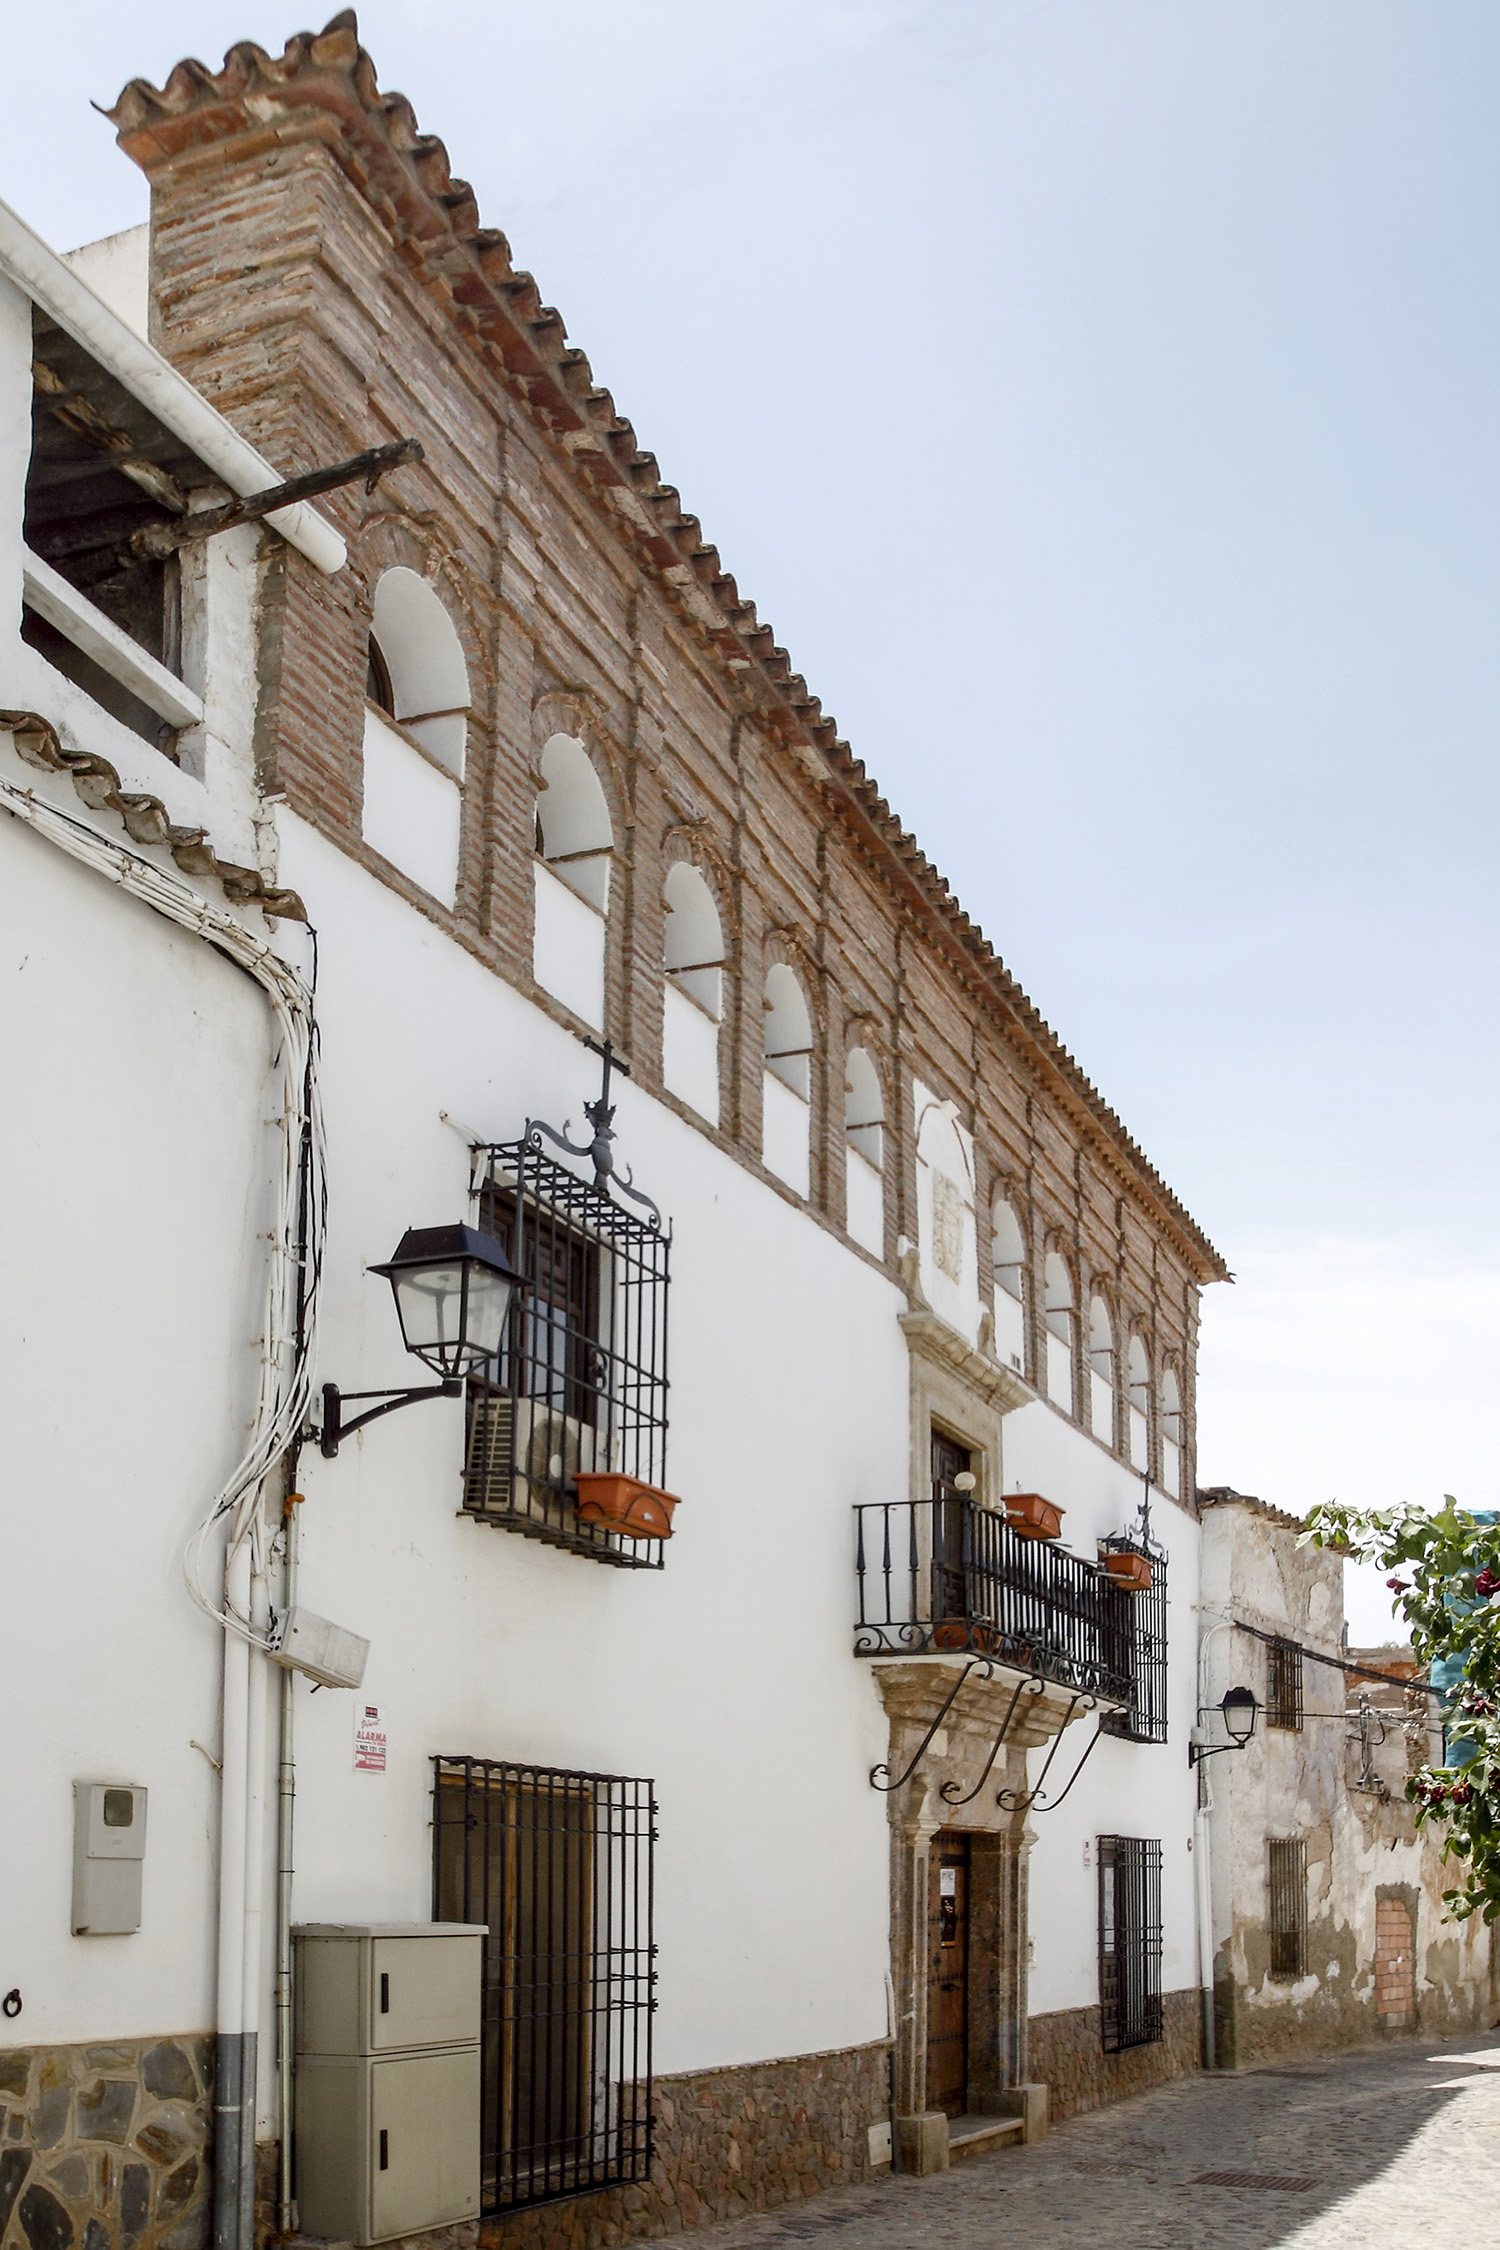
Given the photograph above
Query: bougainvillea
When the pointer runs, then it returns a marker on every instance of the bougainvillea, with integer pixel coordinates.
(1447, 1587)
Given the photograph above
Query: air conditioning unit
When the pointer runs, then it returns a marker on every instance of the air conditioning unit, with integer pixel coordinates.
(519, 1446)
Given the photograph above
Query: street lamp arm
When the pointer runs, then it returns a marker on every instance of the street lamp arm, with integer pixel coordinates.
(335, 1428)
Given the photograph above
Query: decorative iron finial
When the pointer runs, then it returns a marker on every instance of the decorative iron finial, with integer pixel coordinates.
(601, 1115)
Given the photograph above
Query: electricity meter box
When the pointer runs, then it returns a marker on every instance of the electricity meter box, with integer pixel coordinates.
(109, 1844)
(388, 2077)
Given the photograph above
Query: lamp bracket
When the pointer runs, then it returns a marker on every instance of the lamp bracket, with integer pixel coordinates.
(335, 1428)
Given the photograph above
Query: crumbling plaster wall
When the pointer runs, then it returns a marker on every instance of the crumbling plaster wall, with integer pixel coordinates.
(1362, 1846)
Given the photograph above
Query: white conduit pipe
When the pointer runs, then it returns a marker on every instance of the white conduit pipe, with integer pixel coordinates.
(43, 277)
(243, 1609)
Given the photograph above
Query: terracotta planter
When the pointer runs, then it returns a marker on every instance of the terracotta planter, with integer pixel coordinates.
(625, 1504)
(1032, 1516)
(1133, 1572)
(957, 1633)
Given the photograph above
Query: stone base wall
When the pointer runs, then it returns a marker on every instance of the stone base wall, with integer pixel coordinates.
(1067, 2055)
(105, 2147)
(728, 2142)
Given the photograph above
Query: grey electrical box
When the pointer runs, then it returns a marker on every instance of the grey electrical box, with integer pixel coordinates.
(327, 1653)
(109, 1844)
(388, 2077)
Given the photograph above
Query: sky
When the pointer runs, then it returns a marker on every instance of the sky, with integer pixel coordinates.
(1099, 399)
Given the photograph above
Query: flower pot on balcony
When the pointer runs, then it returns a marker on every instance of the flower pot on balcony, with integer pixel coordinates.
(1033, 1517)
(1129, 1570)
(625, 1504)
(964, 1634)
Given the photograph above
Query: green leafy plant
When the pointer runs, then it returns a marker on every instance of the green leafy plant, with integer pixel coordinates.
(1446, 1579)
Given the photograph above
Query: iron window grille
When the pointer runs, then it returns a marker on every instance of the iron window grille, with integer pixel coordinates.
(1146, 1718)
(581, 1383)
(559, 1867)
(1284, 1686)
(1288, 1931)
(1130, 1942)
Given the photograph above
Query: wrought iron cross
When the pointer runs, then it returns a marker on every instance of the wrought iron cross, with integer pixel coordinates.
(601, 1115)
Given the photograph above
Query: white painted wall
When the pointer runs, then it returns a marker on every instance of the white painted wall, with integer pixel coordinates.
(568, 947)
(713, 1676)
(412, 811)
(786, 1130)
(118, 268)
(690, 1052)
(135, 1060)
(864, 1190)
(1126, 1789)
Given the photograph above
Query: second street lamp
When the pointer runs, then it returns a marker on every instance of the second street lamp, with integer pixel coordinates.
(453, 1288)
(1239, 1710)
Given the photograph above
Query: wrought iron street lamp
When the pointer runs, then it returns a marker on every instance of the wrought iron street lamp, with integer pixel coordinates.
(453, 1288)
(1239, 1711)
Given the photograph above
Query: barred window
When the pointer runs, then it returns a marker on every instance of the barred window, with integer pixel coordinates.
(1130, 1942)
(1146, 1719)
(1288, 1925)
(558, 1866)
(1284, 1686)
(581, 1383)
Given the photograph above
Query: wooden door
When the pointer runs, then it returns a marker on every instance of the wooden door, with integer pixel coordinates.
(949, 1578)
(948, 1974)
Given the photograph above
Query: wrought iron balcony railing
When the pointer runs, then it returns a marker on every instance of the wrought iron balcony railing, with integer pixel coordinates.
(952, 1576)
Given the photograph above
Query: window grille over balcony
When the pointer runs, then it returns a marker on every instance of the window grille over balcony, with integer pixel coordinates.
(559, 1868)
(1146, 1719)
(1284, 1686)
(950, 1576)
(582, 1380)
(1288, 1919)
(1130, 1942)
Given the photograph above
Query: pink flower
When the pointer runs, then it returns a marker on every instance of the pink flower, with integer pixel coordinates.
(1397, 1585)
(1488, 1582)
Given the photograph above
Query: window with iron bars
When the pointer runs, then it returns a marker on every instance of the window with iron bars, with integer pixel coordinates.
(1130, 1942)
(1288, 1919)
(558, 1866)
(581, 1383)
(1284, 1686)
(1146, 1718)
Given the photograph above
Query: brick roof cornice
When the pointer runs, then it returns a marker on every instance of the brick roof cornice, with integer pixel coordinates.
(324, 87)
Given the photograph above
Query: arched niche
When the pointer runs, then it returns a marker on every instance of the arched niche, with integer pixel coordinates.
(947, 1235)
(574, 845)
(1171, 1434)
(416, 727)
(574, 833)
(786, 1083)
(1101, 1370)
(418, 671)
(694, 997)
(1059, 1310)
(1138, 1378)
(1009, 1260)
(864, 1134)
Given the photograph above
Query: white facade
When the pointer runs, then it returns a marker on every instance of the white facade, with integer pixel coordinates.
(142, 1133)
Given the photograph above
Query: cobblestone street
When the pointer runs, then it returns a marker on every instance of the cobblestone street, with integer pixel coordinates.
(1379, 2150)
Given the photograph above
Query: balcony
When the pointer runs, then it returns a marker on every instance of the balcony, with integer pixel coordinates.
(950, 1577)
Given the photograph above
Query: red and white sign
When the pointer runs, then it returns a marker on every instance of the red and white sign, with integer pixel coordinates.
(369, 1739)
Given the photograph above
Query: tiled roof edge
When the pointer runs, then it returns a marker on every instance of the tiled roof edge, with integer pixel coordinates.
(405, 173)
(146, 818)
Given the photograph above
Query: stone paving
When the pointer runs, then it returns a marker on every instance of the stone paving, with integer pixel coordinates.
(1377, 2150)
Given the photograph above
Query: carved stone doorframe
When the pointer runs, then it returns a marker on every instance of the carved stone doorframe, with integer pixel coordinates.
(913, 1691)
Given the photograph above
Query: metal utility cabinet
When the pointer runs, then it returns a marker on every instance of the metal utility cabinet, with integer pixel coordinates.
(387, 2093)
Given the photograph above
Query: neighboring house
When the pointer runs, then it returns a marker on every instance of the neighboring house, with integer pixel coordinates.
(839, 1800)
(1328, 1921)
